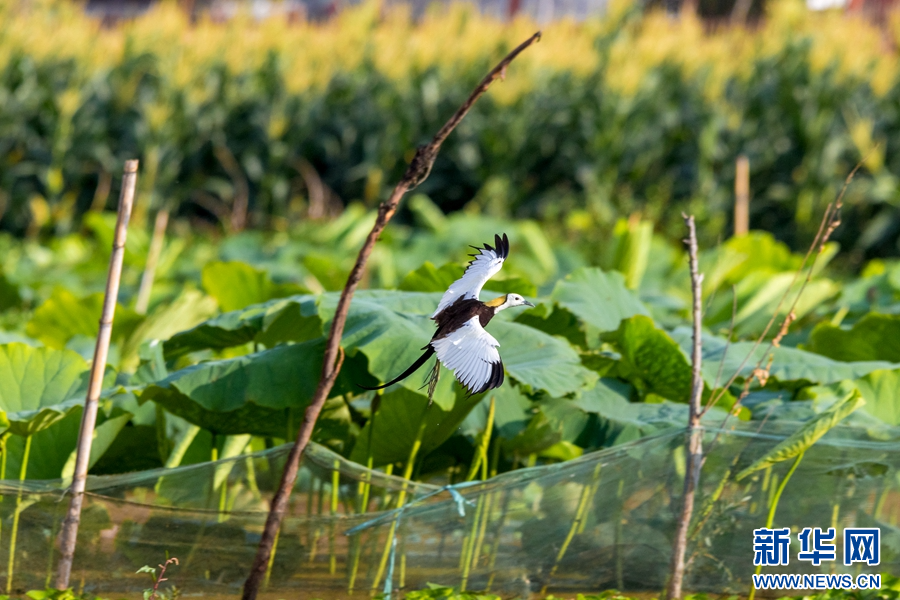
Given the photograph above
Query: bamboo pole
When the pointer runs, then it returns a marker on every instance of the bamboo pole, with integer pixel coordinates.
(741, 196)
(69, 533)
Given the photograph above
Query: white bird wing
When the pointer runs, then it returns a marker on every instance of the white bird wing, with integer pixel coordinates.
(471, 353)
(482, 267)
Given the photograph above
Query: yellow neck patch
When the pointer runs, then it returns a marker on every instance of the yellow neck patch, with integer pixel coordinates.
(498, 301)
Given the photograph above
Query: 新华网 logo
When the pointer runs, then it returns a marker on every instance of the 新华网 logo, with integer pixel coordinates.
(861, 545)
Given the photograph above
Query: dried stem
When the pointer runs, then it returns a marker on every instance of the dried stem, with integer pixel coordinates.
(416, 173)
(69, 531)
(241, 199)
(694, 439)
(104, 182)
(156, 246)
(830, 221)
(161, 577)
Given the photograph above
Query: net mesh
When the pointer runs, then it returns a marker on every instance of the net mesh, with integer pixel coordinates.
(604, 520)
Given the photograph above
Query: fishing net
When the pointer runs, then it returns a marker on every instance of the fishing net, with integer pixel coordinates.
(604, 520)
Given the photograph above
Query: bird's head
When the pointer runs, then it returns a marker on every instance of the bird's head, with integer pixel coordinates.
(507, 301)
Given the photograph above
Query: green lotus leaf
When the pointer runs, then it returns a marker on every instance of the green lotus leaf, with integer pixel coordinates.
(187, 310)
(390, 328)
(262, 393)
(9, 294)
(105, 433)
(601, 300)
(539, 434)
(236, 285)
(755, 251)
(788, 364)
(881, 389)
(874, 337)
(632, 250)
(620, 420)
(429, 278)
(389, 435)
(652, 360)
(540, 361)
(64, 315)
(284, 319)
(760, 292)
(8, 338)
(50, 449)
(39, 386)
(512, 411)
(391, 340)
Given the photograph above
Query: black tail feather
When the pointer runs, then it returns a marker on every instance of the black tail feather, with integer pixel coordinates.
(501, 247)
(412, 369)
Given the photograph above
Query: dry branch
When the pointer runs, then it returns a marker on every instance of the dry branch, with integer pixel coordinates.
(69, 532)
(241, 200)
(830, 221)
(416, 173)
(694, 441)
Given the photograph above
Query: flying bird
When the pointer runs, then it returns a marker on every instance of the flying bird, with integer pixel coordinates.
(461, 342)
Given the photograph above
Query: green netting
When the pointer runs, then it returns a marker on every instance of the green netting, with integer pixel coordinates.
(602, 521)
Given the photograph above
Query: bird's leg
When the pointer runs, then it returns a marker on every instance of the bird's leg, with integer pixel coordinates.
(432, 380)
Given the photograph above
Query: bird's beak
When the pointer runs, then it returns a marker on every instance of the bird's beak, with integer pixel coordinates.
(527, 303)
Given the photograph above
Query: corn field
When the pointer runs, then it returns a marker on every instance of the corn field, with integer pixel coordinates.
(260, 123)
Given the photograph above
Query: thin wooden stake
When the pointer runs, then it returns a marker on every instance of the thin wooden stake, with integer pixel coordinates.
(69, 533)
(694, 441)
(741, 196)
